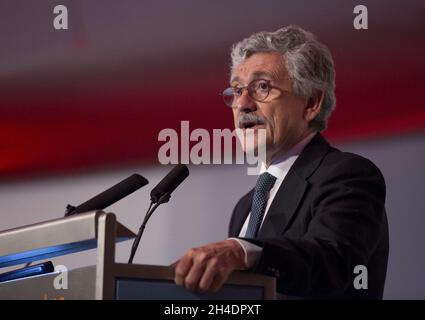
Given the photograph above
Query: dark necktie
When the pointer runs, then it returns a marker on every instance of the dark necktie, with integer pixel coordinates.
(264, 184)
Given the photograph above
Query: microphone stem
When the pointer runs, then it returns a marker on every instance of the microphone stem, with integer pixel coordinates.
(136, 244)
(163, 199)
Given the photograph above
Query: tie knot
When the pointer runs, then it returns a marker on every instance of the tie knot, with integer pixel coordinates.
(265, 182)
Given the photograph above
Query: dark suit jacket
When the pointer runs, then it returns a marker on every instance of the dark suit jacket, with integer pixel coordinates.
(327, 217)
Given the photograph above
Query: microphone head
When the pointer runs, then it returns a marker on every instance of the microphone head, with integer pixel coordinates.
(170, 182)
(112, 195)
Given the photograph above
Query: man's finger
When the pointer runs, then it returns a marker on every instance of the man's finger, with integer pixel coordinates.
(181, 269)
(208, 276)
(193, 276)
(218, 282)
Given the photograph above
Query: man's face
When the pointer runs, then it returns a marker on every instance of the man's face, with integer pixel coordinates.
(282, 111)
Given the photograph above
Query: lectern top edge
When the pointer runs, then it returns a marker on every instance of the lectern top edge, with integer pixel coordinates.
(54, 238)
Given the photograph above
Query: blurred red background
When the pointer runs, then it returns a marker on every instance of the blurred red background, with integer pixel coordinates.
(97, 95)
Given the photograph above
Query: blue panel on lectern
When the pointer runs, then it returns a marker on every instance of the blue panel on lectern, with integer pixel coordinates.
(49, 252)
(45, 253)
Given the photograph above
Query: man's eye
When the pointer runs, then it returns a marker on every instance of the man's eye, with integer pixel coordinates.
(263, 86)
(237, 91)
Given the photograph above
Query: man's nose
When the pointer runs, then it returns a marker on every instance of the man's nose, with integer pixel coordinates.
(245, 103)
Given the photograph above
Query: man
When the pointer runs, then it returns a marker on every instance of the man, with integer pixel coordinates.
(316, 212)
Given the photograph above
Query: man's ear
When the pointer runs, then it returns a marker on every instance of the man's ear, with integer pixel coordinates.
(314, 105)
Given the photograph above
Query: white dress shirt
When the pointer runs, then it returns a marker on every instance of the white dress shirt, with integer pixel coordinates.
(279, 169)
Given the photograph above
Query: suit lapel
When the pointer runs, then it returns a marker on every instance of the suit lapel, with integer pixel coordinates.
(293, 188)
(284, 205)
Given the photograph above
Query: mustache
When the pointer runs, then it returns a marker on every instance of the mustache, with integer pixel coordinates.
(251, 118)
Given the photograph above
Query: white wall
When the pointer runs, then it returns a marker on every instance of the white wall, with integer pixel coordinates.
(200, 209)
(197, 213)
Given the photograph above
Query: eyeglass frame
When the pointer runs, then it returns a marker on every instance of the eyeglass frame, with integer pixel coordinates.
(250, 94)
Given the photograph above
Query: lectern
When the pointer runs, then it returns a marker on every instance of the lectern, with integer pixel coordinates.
(107, 279)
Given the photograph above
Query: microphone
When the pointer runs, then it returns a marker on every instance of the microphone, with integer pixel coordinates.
(170, 182)
(110, 196)
(159, 195)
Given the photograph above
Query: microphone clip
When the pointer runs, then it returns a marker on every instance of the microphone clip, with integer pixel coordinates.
(163, 199)
(69, 210)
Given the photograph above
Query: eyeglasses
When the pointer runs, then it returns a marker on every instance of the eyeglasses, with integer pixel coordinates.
(258, 90)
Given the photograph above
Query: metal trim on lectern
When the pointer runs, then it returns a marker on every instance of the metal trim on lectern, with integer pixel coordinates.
(107, 279)
(54, 238)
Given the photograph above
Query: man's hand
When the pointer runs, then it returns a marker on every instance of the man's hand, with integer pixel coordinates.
(206, 268)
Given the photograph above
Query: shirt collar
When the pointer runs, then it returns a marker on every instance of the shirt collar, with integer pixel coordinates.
(280, 167)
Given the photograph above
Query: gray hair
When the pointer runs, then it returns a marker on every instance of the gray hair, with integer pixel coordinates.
(309, 64)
